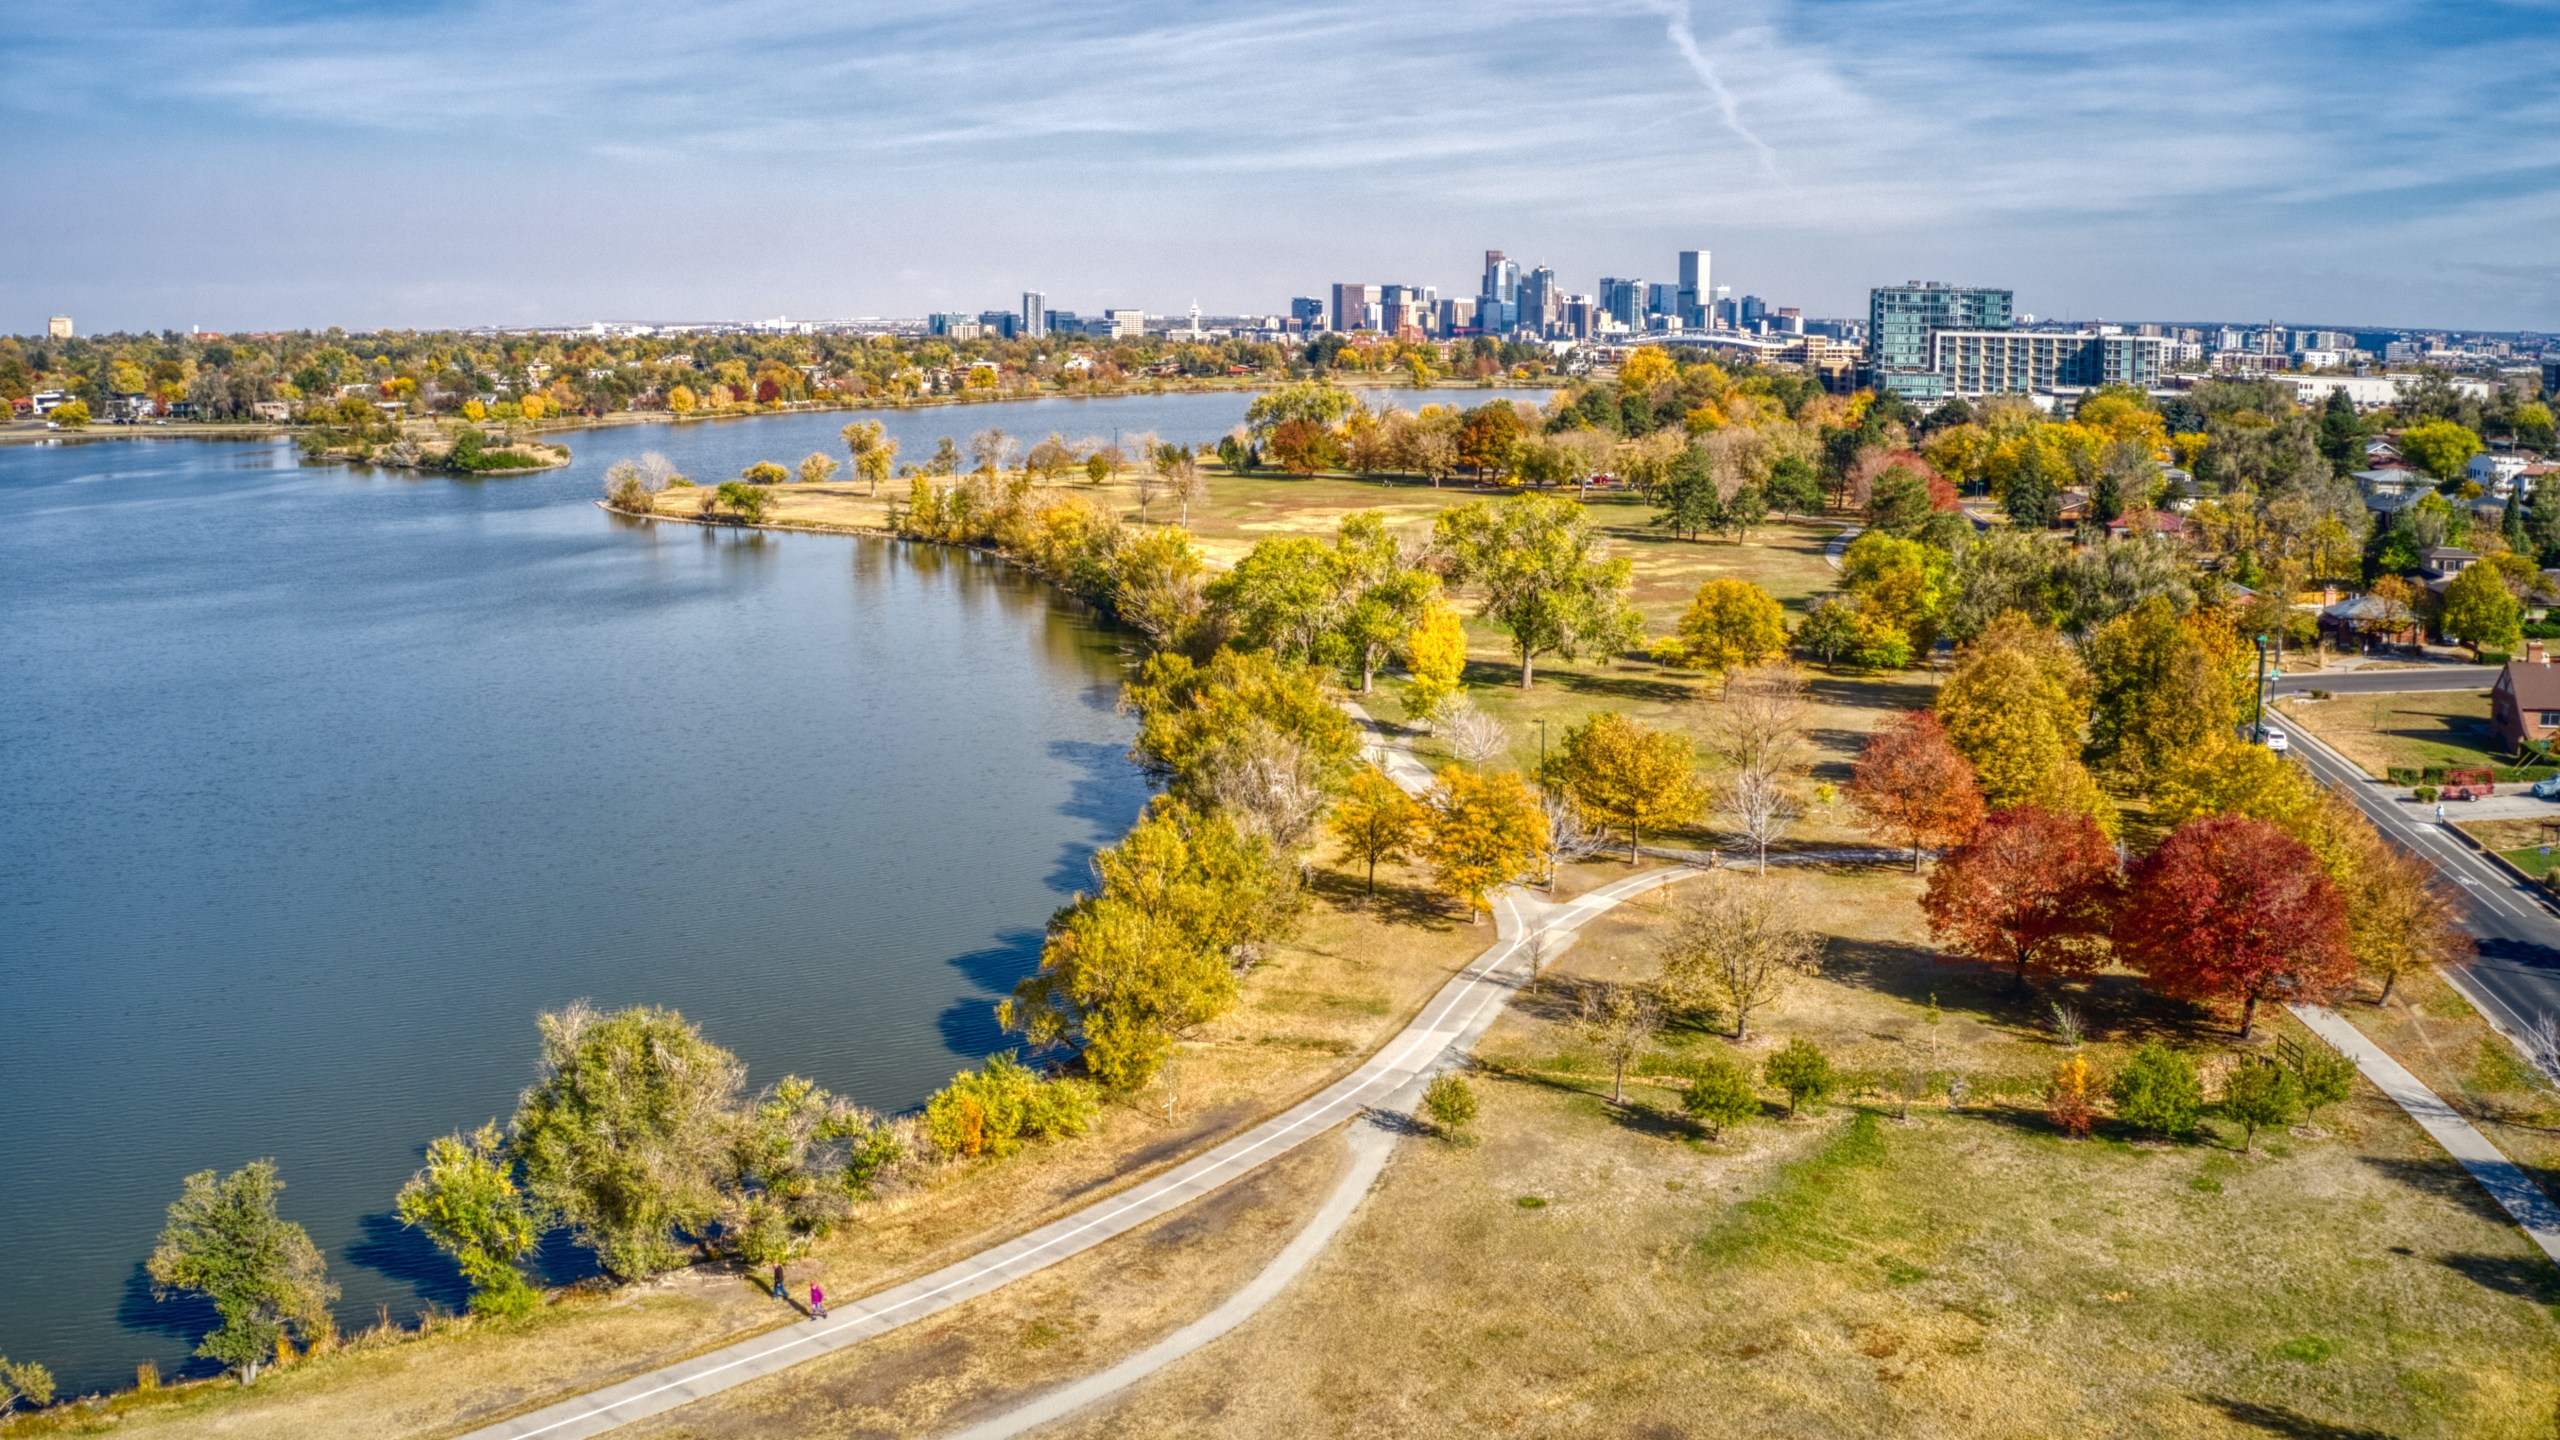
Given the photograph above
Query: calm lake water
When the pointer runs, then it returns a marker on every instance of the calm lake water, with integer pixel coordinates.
(317, 784)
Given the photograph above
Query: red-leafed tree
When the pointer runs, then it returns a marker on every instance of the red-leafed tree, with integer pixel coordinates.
(2230, 908)
(2031, 890)
(1913, 787)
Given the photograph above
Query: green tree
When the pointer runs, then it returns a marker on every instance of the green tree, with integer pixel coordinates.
(2257, 1094)
(1803, 1072)
(798, 1159)
(1535, 557)
(1829, 633)
(1691, 504)
(2480, 611)
(1719, 1096)
(23, 1380)
(468, 1202)
(1451, 1104)
(2442, 448)
(2341, 435)
(1628, 775)
(2534, 429)
(1188, 713)
(1898, 584)
(1286, 595)
(743, 498)
(2325, 1076)
(991, 1111)
(1376, 821)
(2158, 1090)
(1899, 504)
(625, 1133)
(266, 1279)
(1794, 486)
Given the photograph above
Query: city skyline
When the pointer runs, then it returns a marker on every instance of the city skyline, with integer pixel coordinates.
(254, 166)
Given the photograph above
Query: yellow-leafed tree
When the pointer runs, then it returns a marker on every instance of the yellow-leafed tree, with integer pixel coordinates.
(1484, 830)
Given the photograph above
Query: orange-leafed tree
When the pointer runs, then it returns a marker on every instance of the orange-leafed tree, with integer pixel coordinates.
(1913, 787)
(1375, 820)
(1484, 830)
(2031, 890)
(2230, 908)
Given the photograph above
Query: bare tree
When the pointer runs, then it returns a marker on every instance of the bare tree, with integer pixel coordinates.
(1761, 719)
(1152, 486)
(1620, 1022)
(1570, 835)
(2542, 1045)
(1762, 806)
(1474, 736)
(1271, 785)
(1737, 944)
(992, 449)
(1189, 486)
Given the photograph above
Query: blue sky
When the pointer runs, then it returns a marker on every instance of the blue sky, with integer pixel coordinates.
(237, 165)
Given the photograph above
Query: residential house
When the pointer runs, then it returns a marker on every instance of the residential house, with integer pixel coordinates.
(2524, 704)
(2147, 522)
(2070, 507)
(2350, 623)
(2495, 470)
(2438, 564)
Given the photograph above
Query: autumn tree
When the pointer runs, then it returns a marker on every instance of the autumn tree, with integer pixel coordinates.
(2443, 448)
(1161, 586)
(816, 469)
(2401, 918)
(873, 450)
(1735, 945)
(2031, 890)
(1183, 896)
(2163, 684)
(1375, 820)
(261, 1273)
(1913, 788)
(1189, 713)
(1628, 775)
(1483, 830)
(1435, 654)
(1729, 624)
(2014, 707)
(1536, 560)
(2230, 908)
(468, 1202)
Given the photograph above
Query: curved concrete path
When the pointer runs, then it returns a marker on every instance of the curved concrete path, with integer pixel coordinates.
(1461, 1011)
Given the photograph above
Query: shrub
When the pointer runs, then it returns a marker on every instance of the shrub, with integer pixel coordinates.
(747, 500)
(2066, 1099)
(2326, 1077)
(2158, 1090)
(1719, 1095)
(70, 414)
(2426, 794)
(1451, 1103)
(1802, 1071)
(992, 1111)
(2259, 1093)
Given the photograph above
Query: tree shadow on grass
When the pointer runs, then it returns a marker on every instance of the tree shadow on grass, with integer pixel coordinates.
(2528, 1277)
(1395, 904)
(2112, 1007)
(1505, 675)
(2441, 1178)
(2279, 1420)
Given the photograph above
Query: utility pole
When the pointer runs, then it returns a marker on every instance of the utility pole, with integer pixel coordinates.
(2258, 726)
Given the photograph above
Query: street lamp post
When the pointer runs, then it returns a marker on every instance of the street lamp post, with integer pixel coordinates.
(2258, 725)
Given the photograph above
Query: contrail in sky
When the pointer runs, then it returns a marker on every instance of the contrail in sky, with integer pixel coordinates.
(1677, 13)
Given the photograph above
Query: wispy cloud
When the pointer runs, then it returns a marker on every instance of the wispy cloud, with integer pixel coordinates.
(2137, 157)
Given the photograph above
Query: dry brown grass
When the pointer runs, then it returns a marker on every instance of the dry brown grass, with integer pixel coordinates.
(1963, 1274)
(2380, 731)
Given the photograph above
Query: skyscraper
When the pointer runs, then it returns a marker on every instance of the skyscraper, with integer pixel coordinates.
(1351, 307)
(1696, 291)
(1498, 303)
(1539, 301)
(1623, 301)
(1035, 314)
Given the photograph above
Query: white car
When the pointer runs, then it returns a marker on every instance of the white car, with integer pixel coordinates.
(2276, 741)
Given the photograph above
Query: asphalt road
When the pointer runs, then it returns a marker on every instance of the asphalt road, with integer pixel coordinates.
(2384, 682)
(2516, 980)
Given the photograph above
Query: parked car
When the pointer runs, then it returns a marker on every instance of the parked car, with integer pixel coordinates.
(2547, 788)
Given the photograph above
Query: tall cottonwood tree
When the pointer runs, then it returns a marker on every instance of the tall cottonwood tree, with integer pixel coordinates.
(265, 1278)
(1628, 775)
(1536, 560)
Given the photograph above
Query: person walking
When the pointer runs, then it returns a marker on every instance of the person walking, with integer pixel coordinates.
(817, 1303)
(2439, 812)
(779, 1293)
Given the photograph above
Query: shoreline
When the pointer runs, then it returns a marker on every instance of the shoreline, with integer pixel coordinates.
(95, 432)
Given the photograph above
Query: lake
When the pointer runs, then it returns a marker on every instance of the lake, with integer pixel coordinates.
(317, 784)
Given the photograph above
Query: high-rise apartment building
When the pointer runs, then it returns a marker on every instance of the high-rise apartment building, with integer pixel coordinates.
(1696, 288)
(1352, 306)
(1901, 318)
(1035, 314)
(2021, 362)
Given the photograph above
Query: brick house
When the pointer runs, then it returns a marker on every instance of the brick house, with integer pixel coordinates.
(2525, 703)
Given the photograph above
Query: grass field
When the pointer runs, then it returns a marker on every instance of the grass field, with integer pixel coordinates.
(2415, 731)
(1967, 1272)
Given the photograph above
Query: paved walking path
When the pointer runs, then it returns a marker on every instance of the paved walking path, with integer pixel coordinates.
(2505, 1180)
(1461, 1011)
